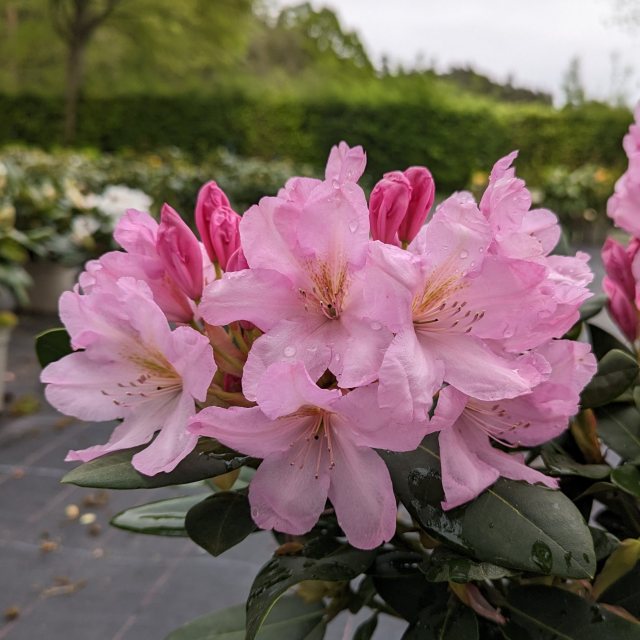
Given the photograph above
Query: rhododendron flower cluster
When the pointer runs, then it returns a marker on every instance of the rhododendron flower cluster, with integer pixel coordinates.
(318, 329)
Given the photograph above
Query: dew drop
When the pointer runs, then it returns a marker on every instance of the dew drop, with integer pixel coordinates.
(353, 225)
(337, 357)
(289, 351)
(464, 254)
(254, 513)
(376, 326)
(336, 183)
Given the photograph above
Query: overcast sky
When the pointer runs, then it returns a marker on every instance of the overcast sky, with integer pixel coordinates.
(531, 40)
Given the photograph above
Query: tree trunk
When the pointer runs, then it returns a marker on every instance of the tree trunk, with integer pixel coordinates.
(75, 71)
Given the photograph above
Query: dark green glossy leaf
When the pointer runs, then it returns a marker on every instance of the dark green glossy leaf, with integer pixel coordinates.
(282, 572)
(619, 428)
(603, 342)
(115, 471)
(511, 524)
(604, 543)
(161, 518)
(366, 630)
(446, 565)
(617, 371)
(627, 477)
(558, 462)
(444, 620)
(291, 618)
(592, 307)
(220, 522)
(52, 345)
(401, 584)
(625, 592)
(548, 613)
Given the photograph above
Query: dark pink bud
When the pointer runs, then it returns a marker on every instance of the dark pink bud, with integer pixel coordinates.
(388, 206)
(210, 198)
(180, 253)
(224, 235)
(423, 191)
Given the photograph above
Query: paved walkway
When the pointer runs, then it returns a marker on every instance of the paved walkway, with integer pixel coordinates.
(65, 573)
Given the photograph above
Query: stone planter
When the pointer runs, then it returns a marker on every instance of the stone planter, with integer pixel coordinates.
(5, 334)
(50, 280)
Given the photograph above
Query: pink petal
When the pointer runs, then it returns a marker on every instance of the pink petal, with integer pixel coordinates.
(192, 358)
(409, 376)
(260, 296)
(464, 474)
(474, 369)
(358, 415)
(362, 494)
(451, 404)
(306, 340)
(345, 164)
(286, 497)
(172, 444)
(136, 232)
(248, 430)
(286, 387)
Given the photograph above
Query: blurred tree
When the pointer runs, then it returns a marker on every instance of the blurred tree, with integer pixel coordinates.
(572, 85)
(302, 39)
(76, 22)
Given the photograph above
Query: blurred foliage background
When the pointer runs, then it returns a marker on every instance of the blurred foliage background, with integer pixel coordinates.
(159, 96)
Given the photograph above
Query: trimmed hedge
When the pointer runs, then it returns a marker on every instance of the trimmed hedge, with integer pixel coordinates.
(453, 140)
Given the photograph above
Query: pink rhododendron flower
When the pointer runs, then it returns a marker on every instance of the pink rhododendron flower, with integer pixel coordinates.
(624, 205)
(137, 233)
(316, 443)
(307, 252)
(180, 252)
(621, 284)
(132, 366)
(449, 302)
(530, 235)
(470, 463)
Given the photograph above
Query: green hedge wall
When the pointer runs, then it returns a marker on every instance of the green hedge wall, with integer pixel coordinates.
(453, 140)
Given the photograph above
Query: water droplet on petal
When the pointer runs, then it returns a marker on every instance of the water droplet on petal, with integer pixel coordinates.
(353, 225)
(254, 513)
(464, 254)
(289, 351)
(376, 326)
(337, 357)
(336, 183)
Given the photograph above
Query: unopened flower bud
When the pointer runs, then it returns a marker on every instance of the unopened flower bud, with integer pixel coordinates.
(180, 252)
(217, 223)
(423, 192)
(388, 206)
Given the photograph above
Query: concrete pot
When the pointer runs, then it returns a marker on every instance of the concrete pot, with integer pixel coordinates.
(50, 281)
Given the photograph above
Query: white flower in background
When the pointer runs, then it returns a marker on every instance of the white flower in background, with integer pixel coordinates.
(117, 198)
(75, 196)
(83, 228)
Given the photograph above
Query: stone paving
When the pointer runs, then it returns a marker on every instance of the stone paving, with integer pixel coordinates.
(65, 574)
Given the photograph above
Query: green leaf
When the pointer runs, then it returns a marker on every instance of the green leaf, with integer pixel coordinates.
(619, 428)
(627, 478)
(604, 543)
(617, 371)
(115, 471)
(161, 518)
(546, 613)
(444, 620)
(446, 565)
(290, 618)
(52, 345)
(220, 522)
(366, 630)
(559, 462)
(592, 307)
(282, 572)
(603, 342)
(401, 584)
(511, 524)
